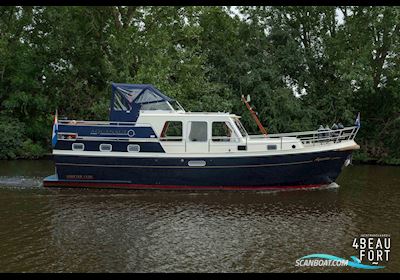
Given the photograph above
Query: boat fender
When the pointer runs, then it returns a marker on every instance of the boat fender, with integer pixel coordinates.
(347, 161)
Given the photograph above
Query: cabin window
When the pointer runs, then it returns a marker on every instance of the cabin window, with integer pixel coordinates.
(105, 147)
(133, 148)
(222, 132)
(271, 147)
(148, 96)
(122, 101)
(198, 131)
(163, 105)
(240, 127)
(176, 106)
(172, 131)
(78, 147)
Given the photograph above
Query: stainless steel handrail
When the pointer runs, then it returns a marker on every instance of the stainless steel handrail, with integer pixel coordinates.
(314, 137)
(227, 138)
(172, 138)
(92, 123)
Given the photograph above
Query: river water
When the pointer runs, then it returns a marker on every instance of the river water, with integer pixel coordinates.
(83, 230)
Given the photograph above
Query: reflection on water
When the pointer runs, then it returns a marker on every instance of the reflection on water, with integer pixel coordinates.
(169, 231)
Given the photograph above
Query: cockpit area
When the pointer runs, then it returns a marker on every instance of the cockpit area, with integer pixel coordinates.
(129, 99)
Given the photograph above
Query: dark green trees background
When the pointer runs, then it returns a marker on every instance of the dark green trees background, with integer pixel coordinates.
(302, 66)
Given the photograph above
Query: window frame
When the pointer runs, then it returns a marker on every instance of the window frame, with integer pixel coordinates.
(133, 145)
(242, 130)
(189, 130)
(105, 144)
(233, 138)
(76, 149)
(171, 138)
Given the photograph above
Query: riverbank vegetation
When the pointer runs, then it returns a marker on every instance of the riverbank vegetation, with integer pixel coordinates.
(302, 66)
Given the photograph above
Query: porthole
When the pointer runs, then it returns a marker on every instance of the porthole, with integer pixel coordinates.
(133, 148)
(293, 146)
(78, 147)
(105, 147)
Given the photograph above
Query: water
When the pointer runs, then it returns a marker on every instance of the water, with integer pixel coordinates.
(82, 230)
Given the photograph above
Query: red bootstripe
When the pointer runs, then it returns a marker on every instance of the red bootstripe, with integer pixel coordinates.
(141, 186)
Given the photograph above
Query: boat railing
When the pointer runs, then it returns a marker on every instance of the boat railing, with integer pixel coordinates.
(224, 139)
(172, 138)
(317, 137)
(101, 123)
(308, 138)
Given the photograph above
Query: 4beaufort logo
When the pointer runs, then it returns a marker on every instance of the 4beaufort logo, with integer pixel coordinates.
(373, 250)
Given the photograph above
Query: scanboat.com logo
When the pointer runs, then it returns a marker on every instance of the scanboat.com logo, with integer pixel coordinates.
(330, 260)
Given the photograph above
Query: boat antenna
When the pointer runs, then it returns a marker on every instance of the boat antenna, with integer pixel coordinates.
(254, 115)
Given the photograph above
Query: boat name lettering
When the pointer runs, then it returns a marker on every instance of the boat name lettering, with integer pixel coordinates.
(110, 131)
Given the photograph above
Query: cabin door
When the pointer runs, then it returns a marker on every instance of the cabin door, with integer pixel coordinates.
(197, 137)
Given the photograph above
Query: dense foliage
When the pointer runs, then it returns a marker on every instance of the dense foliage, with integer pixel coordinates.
(302, 66)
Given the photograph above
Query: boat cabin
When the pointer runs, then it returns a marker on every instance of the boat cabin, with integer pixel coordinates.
(181, 131)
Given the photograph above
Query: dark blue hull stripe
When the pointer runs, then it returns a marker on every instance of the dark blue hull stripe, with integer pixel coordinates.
(283, 170)
(200, 167)
(120, 146)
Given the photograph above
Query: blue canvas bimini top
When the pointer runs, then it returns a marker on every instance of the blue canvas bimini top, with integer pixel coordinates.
(128, 99)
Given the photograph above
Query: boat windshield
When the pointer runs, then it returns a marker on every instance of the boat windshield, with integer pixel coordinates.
(240, 127)
(163, 105)
(177, 107)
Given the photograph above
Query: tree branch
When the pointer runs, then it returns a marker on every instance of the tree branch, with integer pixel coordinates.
(117, 14)
(129, 16)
